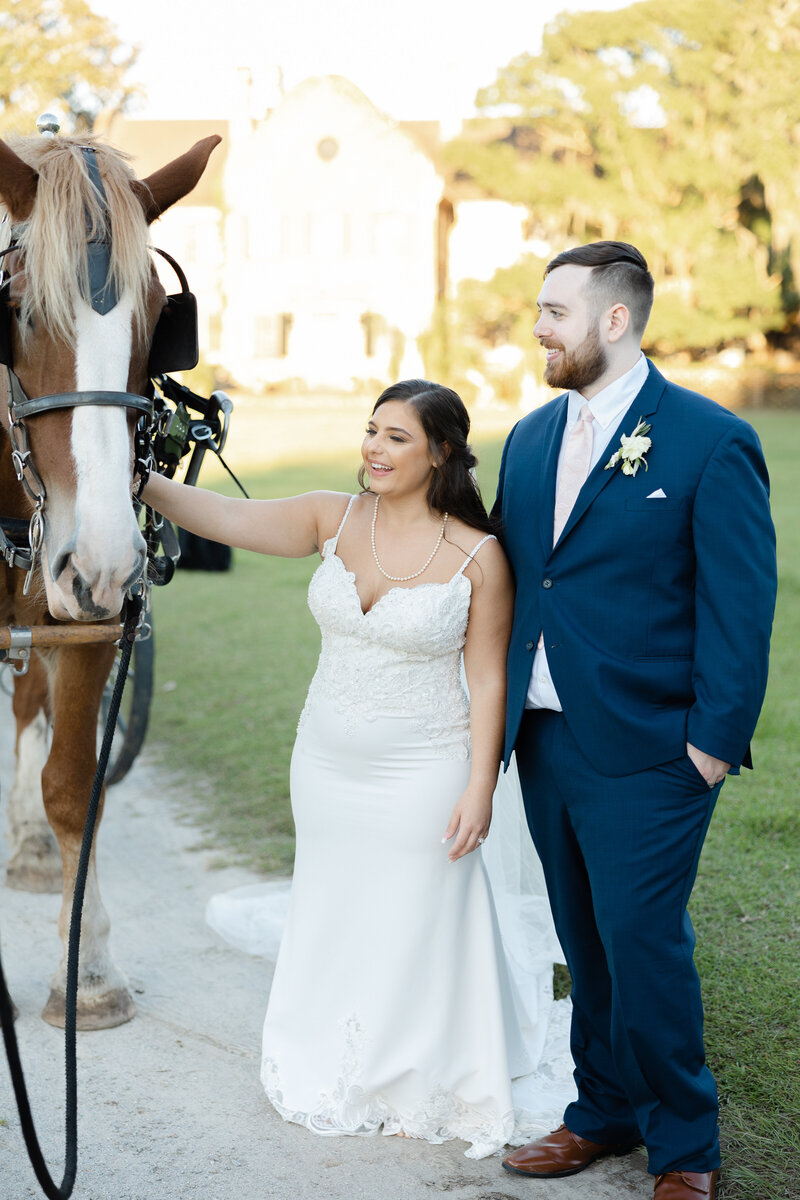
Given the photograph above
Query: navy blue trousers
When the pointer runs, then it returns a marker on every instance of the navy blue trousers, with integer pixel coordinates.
(620, 858)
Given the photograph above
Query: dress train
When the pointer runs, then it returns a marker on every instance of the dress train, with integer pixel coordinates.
(253, 919)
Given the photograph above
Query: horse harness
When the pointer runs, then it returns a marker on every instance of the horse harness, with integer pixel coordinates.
(174, 347)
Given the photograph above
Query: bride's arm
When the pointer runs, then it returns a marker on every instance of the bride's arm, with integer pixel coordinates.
(485, 650)
(290, 528)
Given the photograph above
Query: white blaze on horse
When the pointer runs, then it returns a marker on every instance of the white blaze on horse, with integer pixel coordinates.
(84, 302)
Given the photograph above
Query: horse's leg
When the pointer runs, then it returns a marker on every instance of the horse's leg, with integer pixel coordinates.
(34, 864)
(103, 997)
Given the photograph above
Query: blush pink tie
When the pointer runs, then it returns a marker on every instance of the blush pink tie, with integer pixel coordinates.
(575, 467)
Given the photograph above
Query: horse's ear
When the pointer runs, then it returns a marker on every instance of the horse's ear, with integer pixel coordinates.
(18, 183)
(169, 184)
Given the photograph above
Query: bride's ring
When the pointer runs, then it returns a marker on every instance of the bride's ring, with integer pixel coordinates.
(481, 841)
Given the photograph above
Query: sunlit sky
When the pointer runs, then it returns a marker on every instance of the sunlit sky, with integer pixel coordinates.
(415, 59)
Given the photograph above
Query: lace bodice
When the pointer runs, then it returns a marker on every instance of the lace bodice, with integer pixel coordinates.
(400, 659)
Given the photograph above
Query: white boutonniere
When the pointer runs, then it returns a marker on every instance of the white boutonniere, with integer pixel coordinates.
(632, 450)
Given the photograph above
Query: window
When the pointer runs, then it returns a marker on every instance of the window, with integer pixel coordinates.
(373, 325)
(271, 335)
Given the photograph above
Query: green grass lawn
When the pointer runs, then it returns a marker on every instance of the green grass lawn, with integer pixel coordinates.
(234, 656)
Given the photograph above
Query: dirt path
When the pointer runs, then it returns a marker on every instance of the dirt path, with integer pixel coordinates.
(170, 1105)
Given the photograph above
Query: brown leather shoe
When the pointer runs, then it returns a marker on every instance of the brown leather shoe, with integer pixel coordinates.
(562, 1153)
(686, 1185)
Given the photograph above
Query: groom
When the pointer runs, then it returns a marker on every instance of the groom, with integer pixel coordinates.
(636, 519)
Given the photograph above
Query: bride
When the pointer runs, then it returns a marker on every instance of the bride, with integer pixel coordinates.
(392, 1007)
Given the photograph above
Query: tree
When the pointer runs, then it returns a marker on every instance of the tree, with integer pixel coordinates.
(59, 50)
(676, 127)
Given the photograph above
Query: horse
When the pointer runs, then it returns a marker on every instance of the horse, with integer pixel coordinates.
(84, 306)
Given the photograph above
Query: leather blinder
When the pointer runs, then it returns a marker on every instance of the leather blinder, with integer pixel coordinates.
(175, 344)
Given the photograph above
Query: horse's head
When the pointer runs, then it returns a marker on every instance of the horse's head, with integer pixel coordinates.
(85, 300)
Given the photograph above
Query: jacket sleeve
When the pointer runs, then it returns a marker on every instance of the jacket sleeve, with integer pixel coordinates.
(735, 589)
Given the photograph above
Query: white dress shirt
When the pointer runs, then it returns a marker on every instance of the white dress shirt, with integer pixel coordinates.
(608, 409)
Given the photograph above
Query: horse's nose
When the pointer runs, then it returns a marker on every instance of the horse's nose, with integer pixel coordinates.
(137, 572)
(62, 559)
(87, 597)
(99, 593)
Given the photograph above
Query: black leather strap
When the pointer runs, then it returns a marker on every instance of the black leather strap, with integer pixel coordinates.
(14, 547)
(40, 404)
(175, 266)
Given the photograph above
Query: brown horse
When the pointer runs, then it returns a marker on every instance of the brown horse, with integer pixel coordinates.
(85, 301)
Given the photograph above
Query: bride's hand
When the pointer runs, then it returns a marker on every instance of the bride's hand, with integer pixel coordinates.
(470, 821)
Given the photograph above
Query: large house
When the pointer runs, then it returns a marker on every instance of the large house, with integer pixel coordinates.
(320, 237)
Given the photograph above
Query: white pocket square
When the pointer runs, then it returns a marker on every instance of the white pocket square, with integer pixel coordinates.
(660, 494)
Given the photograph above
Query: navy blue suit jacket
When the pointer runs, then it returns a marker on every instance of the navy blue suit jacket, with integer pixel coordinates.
(656, 613)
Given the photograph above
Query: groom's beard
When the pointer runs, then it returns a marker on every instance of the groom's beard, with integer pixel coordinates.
(581, 367)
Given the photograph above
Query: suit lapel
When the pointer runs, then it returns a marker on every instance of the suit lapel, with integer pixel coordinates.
(550, 447)
(649, 398)
(644, 405)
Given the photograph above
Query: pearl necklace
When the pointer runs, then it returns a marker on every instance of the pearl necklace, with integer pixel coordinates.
(425, 565)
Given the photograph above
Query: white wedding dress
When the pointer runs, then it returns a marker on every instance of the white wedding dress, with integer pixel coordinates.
(392, 1005)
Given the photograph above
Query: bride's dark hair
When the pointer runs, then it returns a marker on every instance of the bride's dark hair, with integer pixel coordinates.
(445, 420)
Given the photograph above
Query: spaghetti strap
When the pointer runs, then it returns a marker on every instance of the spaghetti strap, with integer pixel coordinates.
(488, 538)
(333, 542)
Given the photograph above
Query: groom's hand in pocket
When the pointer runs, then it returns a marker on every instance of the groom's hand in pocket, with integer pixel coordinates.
(712, 769)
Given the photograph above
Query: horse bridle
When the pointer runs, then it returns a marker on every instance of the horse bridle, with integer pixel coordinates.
(174, 347)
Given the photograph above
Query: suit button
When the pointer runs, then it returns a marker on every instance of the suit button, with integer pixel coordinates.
(547, 583)
(530, 645)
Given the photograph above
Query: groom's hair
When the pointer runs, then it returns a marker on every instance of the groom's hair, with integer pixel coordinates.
(619, 275)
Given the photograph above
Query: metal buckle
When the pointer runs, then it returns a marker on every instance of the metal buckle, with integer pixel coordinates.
(35, 539)
(20, 459)
(18, 657)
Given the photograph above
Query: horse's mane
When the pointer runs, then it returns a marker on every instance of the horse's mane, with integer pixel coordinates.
(67, 210)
